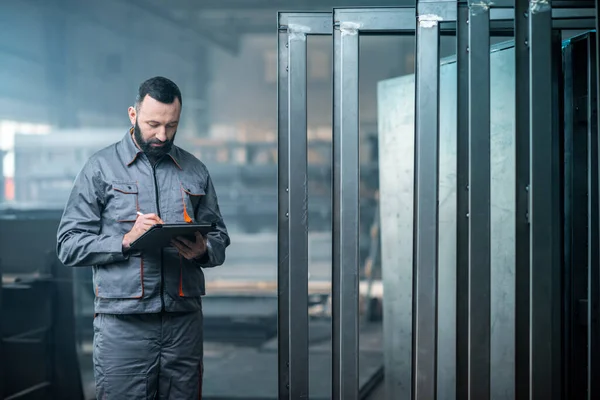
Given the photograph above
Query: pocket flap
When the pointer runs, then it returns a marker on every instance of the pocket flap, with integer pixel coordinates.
(126, 187)
(193, 189)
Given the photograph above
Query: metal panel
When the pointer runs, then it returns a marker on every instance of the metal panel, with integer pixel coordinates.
(593, 215)
(462, 225)
(425, 261)
(479, 201)
(502, 217)
(544, 213)
(522, 273)
(293, 200)
(395, 105)
(345, 209)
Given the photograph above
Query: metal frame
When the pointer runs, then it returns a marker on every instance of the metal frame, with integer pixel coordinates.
(292, 271)
(538, 192)
(593, 375)
(479, 230)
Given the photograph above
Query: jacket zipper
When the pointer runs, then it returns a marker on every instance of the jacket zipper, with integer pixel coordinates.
(162, 273)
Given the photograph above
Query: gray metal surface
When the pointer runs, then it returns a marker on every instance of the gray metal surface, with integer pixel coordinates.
(283, 242)
(462, 204)
(425, 262)
(522, 245)
(345, 193)
(297, 212)
(396, 122)
(396, 102)
(293, 194)
(593, 359)
(543, 213)
(479, 201)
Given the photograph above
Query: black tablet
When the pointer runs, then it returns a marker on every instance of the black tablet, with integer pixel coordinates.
(160, 235)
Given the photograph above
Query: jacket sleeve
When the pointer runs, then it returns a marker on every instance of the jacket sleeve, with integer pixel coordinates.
(207, 212)
(79, 241)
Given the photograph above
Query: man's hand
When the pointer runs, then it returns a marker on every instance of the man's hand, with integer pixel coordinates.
(142, 224)
(189, 249)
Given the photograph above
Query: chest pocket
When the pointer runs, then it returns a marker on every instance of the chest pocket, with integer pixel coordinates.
(126, 201)
(191, 196)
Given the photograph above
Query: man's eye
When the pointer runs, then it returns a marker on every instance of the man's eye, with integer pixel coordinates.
(152, 124)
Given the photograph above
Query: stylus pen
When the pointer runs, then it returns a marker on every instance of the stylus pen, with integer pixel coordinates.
(140, 214)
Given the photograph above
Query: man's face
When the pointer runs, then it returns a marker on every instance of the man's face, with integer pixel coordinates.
(155, 125)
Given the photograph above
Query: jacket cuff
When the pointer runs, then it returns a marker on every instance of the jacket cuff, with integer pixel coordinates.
(206, 257)
(116, 249)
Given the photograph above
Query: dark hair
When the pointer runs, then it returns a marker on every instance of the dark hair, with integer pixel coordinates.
(160, 89)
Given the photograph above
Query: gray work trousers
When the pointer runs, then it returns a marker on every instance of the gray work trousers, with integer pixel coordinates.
(148, 356)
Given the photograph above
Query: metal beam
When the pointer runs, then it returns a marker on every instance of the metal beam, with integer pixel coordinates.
(593, 361)
(345, 208)
(544, 215)
(426, 192)
(462, 220)
(522, 278)
(479, 201)
(283, 240)
(293, 200)
(297, 212)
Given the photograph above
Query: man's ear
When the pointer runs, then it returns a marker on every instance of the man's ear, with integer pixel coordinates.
(132, 115)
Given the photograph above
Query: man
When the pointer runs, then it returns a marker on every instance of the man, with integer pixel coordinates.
(148, 323)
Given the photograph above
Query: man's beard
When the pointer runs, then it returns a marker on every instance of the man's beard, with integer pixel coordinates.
(146, 146)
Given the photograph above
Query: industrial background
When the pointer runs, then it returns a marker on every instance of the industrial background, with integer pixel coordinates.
(70, 68)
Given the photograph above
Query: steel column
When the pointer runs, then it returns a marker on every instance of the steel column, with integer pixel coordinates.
(522, 273)
(297, 212)
(462, 224)
(293, 200)
(593, 225)
(595, 331)
(479, 201)
(345, 211)
(425, 260)
(544, 215)
(283, 240)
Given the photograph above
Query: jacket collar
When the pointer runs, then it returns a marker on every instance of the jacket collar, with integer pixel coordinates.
(131, 152)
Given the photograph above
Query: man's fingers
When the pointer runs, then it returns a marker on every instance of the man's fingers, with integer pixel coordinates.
(184, 251)
(186, 242)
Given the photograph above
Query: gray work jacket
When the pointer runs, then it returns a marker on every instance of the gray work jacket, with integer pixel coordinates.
(116, 183)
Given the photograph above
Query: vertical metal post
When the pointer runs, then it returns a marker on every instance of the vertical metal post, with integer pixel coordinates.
(462, 220)
(293, 200)
(593, 225)
(298, 213)
(594, 364)
(522, 278)
(345, 212)
(544, 218)
(479, 201)
(283, 240)
(557, 201)
(425, 261)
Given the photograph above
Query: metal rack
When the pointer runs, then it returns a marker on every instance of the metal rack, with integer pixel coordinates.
(37, 341)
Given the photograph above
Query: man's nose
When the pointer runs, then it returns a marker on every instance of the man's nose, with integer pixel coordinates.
(162, 134)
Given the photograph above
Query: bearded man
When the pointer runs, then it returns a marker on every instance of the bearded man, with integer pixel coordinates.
(148, 322)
